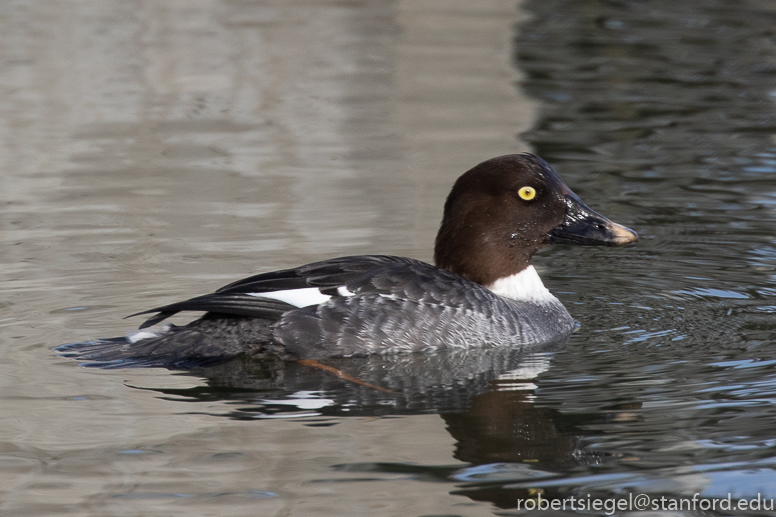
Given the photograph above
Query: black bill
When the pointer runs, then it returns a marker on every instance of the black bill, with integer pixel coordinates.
(583, 226)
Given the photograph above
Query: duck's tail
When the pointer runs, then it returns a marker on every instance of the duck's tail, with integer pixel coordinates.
(209, 340)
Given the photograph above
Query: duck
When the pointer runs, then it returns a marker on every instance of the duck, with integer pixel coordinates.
(481, 291)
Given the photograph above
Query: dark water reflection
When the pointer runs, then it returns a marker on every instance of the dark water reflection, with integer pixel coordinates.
(661, 114)
(664, 112)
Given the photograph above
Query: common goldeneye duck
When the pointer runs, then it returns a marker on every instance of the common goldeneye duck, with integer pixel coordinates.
(483, 290)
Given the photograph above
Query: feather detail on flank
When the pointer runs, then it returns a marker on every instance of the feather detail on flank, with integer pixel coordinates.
(297, 297)
(525, 286)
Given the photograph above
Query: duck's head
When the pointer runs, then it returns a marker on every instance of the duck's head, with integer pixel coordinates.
(502, 211)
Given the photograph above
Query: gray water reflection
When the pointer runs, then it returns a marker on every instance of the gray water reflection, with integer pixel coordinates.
(153, 149)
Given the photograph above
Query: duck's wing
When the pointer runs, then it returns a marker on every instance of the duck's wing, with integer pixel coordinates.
(270, 295)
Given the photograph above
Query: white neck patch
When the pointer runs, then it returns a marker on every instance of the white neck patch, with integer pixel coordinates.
(525, 286)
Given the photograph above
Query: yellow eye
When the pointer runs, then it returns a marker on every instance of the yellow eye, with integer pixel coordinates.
(527, 193)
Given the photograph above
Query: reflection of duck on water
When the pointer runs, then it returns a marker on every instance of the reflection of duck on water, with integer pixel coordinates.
(483, 291)
(445, 381)
(486, 399)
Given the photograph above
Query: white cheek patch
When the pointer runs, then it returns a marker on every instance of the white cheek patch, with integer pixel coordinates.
(297, 297)
(525, 286)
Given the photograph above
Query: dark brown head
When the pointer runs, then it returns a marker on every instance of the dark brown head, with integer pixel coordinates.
(502, 211)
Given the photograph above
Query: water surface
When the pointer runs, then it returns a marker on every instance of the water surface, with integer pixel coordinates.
(158, 150)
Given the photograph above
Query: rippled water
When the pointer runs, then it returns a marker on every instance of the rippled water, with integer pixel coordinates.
(157, 150)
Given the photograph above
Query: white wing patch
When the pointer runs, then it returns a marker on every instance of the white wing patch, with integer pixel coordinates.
(139, 335)
(297, 297)
(344, 291)
(525, 286)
